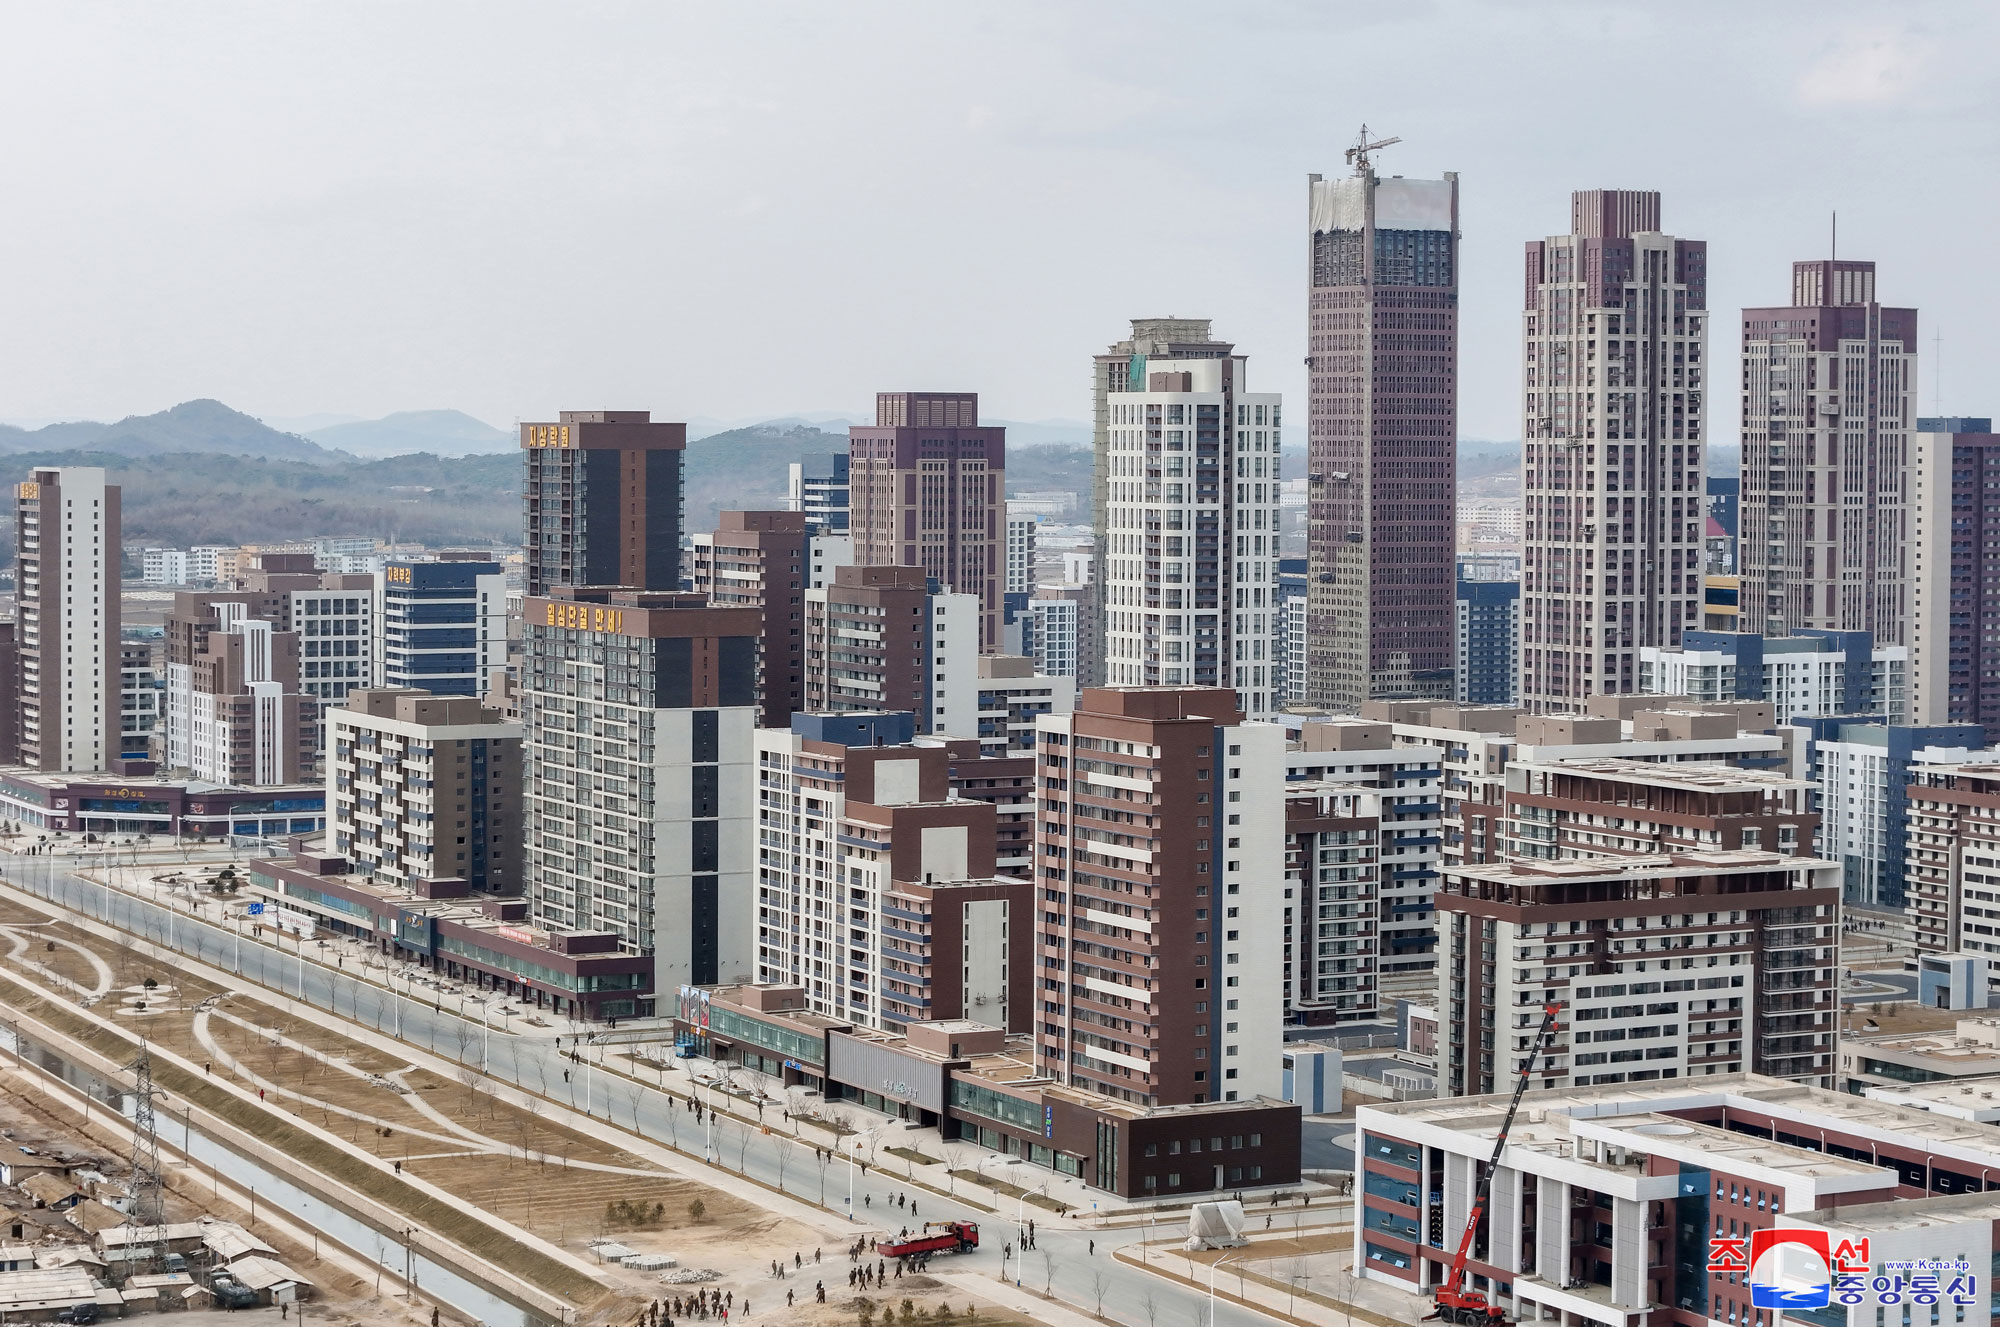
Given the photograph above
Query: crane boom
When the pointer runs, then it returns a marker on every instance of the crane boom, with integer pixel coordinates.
(1357, 156)
(1454, 1303)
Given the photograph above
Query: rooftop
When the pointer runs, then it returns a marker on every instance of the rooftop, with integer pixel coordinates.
(1695, 777)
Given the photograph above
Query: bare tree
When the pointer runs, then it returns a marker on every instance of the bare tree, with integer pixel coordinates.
(1344, 1280)
(1149, 1304)
(1099, 1283)
(1048, 1271)
(638, 1098)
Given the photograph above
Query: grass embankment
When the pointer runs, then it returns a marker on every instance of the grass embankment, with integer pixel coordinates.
(459, 1225)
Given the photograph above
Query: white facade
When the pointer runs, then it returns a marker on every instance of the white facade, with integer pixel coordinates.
(1612, 408)
(1292, 646)
(1054, 635)
(954, 666)
(206, 561)
(1020, 578)
(1191, 563)
(1801, 677)
(1009, 705)
(164, 566)
(825, 553)
(340, 648)
(1402, 783)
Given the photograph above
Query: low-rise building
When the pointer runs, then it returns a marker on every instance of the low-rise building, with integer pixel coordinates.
(1606, 1198)
(157, 807)
(446, 927)
(1968, 1050)
(977, 1083)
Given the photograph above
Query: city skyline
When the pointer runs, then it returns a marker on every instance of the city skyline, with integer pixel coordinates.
(651, 174)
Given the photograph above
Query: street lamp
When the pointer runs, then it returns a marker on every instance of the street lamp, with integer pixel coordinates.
(1212, 1269)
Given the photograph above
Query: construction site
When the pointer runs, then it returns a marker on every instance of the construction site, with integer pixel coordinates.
(442, 1174)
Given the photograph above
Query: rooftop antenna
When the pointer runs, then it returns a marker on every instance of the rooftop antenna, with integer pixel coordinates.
(1357, 156)
(1833, 246)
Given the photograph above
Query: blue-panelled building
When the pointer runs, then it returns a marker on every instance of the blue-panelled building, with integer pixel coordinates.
(1487, 630)
(444, 624)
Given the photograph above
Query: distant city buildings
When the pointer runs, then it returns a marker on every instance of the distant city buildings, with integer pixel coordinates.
(1486, 630)
(1615, 332)
(1864, 771)
(1816, 674)
(817, 488)
(1381, 435)
(928, 490)
(1829, 389)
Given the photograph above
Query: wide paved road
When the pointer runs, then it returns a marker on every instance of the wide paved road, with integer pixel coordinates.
(533, 1063)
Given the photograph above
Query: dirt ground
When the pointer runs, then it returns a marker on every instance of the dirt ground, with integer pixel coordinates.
(571, 1189)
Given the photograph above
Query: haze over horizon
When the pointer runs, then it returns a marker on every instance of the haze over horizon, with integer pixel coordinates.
(511, 210)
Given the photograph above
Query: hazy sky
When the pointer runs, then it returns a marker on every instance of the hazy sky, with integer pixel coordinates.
(730, 210)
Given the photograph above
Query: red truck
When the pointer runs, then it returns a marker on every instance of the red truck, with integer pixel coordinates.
(937, 1237)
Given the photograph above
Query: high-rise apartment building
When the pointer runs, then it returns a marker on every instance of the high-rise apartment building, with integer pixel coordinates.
(1362, 827)
(1486, 630)
(763, 560)
(818, 488)
(928, 487)
(1013, 696)
(67, 548)
(1668, 965)
(443, 624)
(884, 638)
(602, 500)
(1954, 560)
(1829, 392)
(1953, 831)
(234, 711)
(1021, 554)
(639, 712)
(142, 684)
(423, 788)
(1190, 459)
(1613, 394)
(868, 863)
(1815, 675)
(1160, 853)
(1381, 436)
(1864, 771)
(10, 691)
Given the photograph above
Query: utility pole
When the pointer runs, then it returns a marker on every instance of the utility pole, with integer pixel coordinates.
(147, 1212)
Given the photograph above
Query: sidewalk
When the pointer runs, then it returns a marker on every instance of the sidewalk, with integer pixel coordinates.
(1313, 1287)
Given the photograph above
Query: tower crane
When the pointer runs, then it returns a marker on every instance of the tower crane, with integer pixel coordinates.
(1457, 1302)
(1357, 156)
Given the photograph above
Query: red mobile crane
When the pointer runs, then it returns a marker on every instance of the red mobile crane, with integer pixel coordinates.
(1457, 1302)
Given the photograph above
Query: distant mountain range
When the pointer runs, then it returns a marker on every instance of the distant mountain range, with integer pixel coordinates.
(439, 432)
(192, 426)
